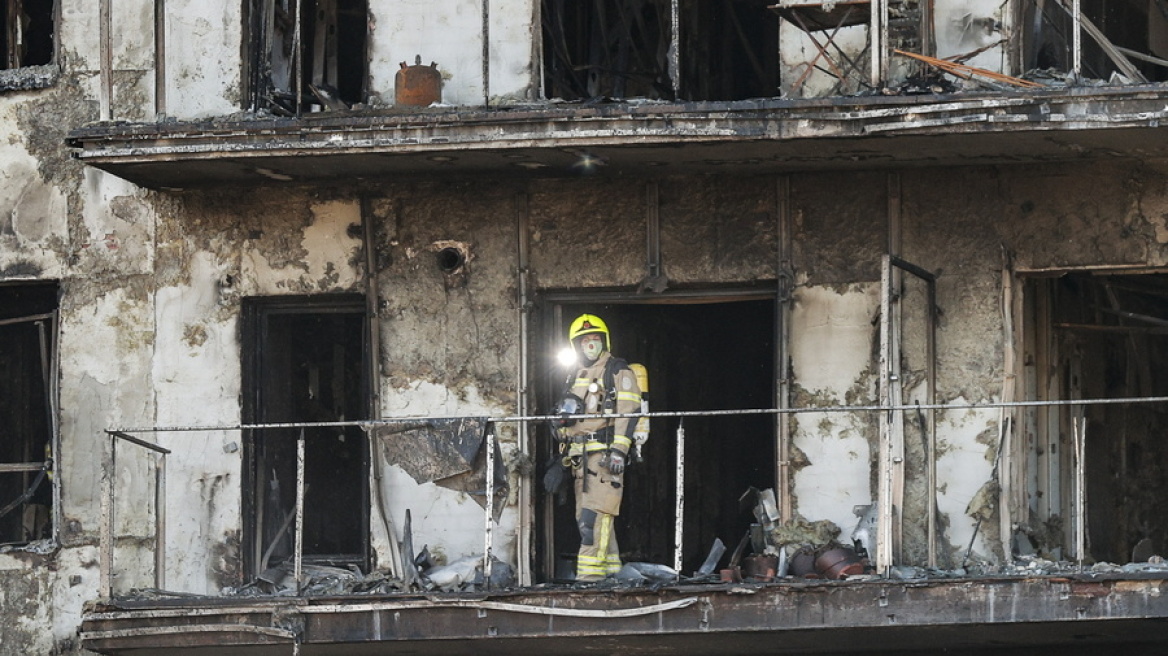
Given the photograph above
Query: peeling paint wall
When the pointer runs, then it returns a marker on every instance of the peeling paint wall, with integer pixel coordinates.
(831, 347)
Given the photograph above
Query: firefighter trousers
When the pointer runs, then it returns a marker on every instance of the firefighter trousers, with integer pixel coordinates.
(597, 505)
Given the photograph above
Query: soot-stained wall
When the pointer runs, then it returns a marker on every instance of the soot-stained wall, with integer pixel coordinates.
(152, 288)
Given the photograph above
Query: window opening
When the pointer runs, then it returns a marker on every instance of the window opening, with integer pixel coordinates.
(606, 48)
(27, 406)
(307, 364)
(26, 32)
(729, 50)
(1097, 336)
(309, 55)
(1119, 37)
(621, 49)
(699, 356)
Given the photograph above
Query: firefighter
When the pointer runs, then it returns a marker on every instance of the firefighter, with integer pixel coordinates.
(597, 449)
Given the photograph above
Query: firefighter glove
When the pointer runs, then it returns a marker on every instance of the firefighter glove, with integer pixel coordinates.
(616, 462)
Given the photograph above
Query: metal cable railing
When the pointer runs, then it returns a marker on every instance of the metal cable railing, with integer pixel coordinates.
(126, 434)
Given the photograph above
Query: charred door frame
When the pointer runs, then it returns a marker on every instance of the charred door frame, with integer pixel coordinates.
(891, 459)
(255, 310)
(549, 311)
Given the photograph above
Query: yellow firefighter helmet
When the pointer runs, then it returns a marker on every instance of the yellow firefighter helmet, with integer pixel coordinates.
(588, 324)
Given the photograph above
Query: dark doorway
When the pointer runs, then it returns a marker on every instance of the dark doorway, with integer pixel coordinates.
(305, 362)
(27, 397)
(1101, 336)
(705, 354)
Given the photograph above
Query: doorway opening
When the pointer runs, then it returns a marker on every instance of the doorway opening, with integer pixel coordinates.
(305, 361)
(1097, 335)
(703, 353)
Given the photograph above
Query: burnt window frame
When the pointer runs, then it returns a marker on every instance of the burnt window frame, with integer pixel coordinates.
(24, 72)
(260, 89)
(39, 317)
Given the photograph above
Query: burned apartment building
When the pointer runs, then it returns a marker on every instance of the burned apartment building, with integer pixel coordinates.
(282, 282)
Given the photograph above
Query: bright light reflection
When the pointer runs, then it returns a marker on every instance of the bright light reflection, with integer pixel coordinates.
(567, 357)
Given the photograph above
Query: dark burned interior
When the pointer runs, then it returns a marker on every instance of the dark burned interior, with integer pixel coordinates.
(27, 345)
(1134, 32)
(1109, 339)
(706, 355)
(304, 363)
(620, 49)
(26, 32)
(330, 51)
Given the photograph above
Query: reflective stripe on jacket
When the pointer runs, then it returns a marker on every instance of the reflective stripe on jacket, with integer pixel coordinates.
(589, 435)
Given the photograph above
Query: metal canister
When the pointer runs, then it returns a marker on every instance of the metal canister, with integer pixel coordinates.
(417, 85)
(838, 564)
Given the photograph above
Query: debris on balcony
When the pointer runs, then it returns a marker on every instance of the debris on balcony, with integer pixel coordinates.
(450, 453)
(463, 575)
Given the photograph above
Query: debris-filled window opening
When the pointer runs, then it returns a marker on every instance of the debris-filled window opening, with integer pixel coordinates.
(1119, 37)
(729, 50)
(27, 393)
(621, 49)
(606, 48)
(699, 356)
(328, 39)
(26, 32)
(305, 362)
(1098, 336)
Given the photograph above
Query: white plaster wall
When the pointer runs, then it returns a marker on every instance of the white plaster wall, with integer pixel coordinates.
(79, 35)
(203, 61)
(831, 347)
(32, 212)
(514, 71)
(119, 225)
(132, 35)
(963, 468)
(106, 345)
(76, 583)
(197, 382)
(448, 32)
(132, 50)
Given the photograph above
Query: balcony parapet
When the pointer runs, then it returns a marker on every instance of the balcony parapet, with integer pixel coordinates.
(1087, 611)
(769, 135)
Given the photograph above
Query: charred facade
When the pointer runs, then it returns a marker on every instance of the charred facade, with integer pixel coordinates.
(280, 304)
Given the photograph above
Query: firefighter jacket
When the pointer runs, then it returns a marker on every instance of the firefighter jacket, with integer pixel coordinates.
(600, 433)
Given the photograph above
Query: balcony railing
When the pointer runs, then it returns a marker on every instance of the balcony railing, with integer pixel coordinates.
(160, 455)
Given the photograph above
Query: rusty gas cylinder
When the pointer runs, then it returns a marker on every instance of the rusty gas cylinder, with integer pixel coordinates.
(418, 85)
